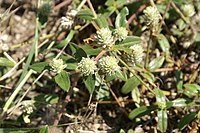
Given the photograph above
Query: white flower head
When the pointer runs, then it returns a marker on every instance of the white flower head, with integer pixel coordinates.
(27, 106)
(152, 17)
(57, 65)
(121, 33)
(68, 21)
(87, 66)
(136, 56)
(104, 38)
(188, 10)
(109, 65)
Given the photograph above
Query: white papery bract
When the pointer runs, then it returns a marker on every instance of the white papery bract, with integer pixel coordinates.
(152, 18)
(57, 65)
(121, 33)
(68, 21)
(87, 66)
(104, 38)
(109, 65)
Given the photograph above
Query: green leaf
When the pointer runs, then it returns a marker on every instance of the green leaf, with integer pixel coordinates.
(62, 79)
(160, 99)
(130, 41)
(180, 102)
(149, 76)
(39, 67)
(130, 84)
(85, 14)
(135, 94)
(110, 78)
(121, 18)
(179, 81)
(91, 51)
(90, 83)
(186, 120)
(101, 21)
(121, 48)
(191, 89)
(141, 111)
(162, 120)
(121, 75)
(6, 62)
(156, 63)
(46, 98)
(164, 43)
(45, 129)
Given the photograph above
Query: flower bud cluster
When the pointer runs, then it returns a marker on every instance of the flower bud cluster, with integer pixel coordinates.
(121, 33)
(108, 65)
(87, 66)
(68, 21)
(136, 55)
(27, 107)
(57, 65)
(152, 18)
(106, 38)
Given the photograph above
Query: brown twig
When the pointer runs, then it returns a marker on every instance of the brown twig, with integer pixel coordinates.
(100, 55)
(135, 14)
(66, 2)
(115, 97)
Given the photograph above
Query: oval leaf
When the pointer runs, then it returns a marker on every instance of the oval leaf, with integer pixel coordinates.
(130, 41)
(39, 67)
(62, 79)
(86, 14)
(6, 62)
(162, 120)
(130, 84)
(90, 83)
(101, 21)
(156, 63)
(141, 111)
(121, 18)
(186, 120)
(164, 43)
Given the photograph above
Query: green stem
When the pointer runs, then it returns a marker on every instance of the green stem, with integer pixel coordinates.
(133, 72)
(81, 4)
(148, 50)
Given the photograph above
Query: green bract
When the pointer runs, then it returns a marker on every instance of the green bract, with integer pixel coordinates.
(57, 65)
(87, 66)
(104, 38)
(108, 65)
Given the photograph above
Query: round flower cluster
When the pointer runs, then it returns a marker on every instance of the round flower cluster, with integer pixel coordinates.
(152, 17)
(68, 21)
(121, 33)
(104, 38)
(57, 65)
(87, 66)
(136, 56)
(27, 107)
(109, 65)
(188, 10)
